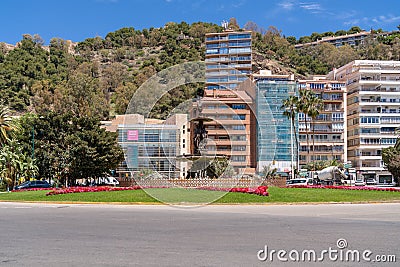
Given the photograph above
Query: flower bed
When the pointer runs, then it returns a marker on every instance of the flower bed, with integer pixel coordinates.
(361, 188)
(261, 190)
(81, 189)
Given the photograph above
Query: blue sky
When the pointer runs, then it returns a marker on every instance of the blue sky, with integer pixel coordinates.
(79, 19)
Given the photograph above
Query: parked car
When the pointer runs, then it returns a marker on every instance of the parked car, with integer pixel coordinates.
(33, 184)
(359, 182)
(108, 181)
(299, 181)
(370, 181)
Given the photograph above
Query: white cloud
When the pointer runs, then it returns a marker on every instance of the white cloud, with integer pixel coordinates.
(287, 5)
(352, 22)
(239, 3)
(378, 21)
(386, 19)
(348, 14)
(311, 6)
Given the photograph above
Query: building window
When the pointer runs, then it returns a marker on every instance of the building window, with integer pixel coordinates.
(238, 127)
(238, 36)
(238, 158)
(239, 148)
(369, 119)
(238, 106)
(239, 117)
(317, 85)
(238, 138)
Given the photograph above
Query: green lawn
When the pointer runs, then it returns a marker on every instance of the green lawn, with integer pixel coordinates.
(175, 195)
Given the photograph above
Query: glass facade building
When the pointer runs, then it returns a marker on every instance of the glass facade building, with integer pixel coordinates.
(152, 147)
(275, 136)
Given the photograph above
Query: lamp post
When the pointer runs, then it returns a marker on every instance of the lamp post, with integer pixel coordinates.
(291, 149)
(33, 142)
(33, 147)
(291, 141)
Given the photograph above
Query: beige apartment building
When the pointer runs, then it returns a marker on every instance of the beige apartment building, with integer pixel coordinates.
(354, 39)
(373, 113)
(327, 133)
(228, 61)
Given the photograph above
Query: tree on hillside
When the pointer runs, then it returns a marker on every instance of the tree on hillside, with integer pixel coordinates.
(82, 96)
(252, 26)
(354, 29)
(113, 76)
(122, 97)
(18, 71)
(292, 40)
(233, 24)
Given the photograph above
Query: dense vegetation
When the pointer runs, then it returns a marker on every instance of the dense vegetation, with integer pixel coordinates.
(98, 76)
(57, 147)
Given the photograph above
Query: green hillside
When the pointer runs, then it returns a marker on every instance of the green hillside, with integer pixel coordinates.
(98, 76)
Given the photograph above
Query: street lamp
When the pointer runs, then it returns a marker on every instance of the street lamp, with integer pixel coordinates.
(33, 147)
(291, 141)
(33, 142)
(291, 148)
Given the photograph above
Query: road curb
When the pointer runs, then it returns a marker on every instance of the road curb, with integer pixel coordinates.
(198, 204)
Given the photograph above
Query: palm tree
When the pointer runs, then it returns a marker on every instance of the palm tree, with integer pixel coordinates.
(290, 105)
(303, 107)
(6, 125)
(10, 162)
(315, 105)
(269, 172)
(27, 167)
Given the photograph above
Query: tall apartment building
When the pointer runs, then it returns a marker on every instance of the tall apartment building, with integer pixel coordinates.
(229, 133)
(327, 134)
(228, 59)
(275, 135)
(228, 65)
(373, 113)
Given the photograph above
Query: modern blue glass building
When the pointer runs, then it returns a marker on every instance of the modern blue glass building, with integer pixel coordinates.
(152, 147)
(275, 136)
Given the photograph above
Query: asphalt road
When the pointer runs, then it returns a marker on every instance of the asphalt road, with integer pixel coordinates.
(109, 235)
